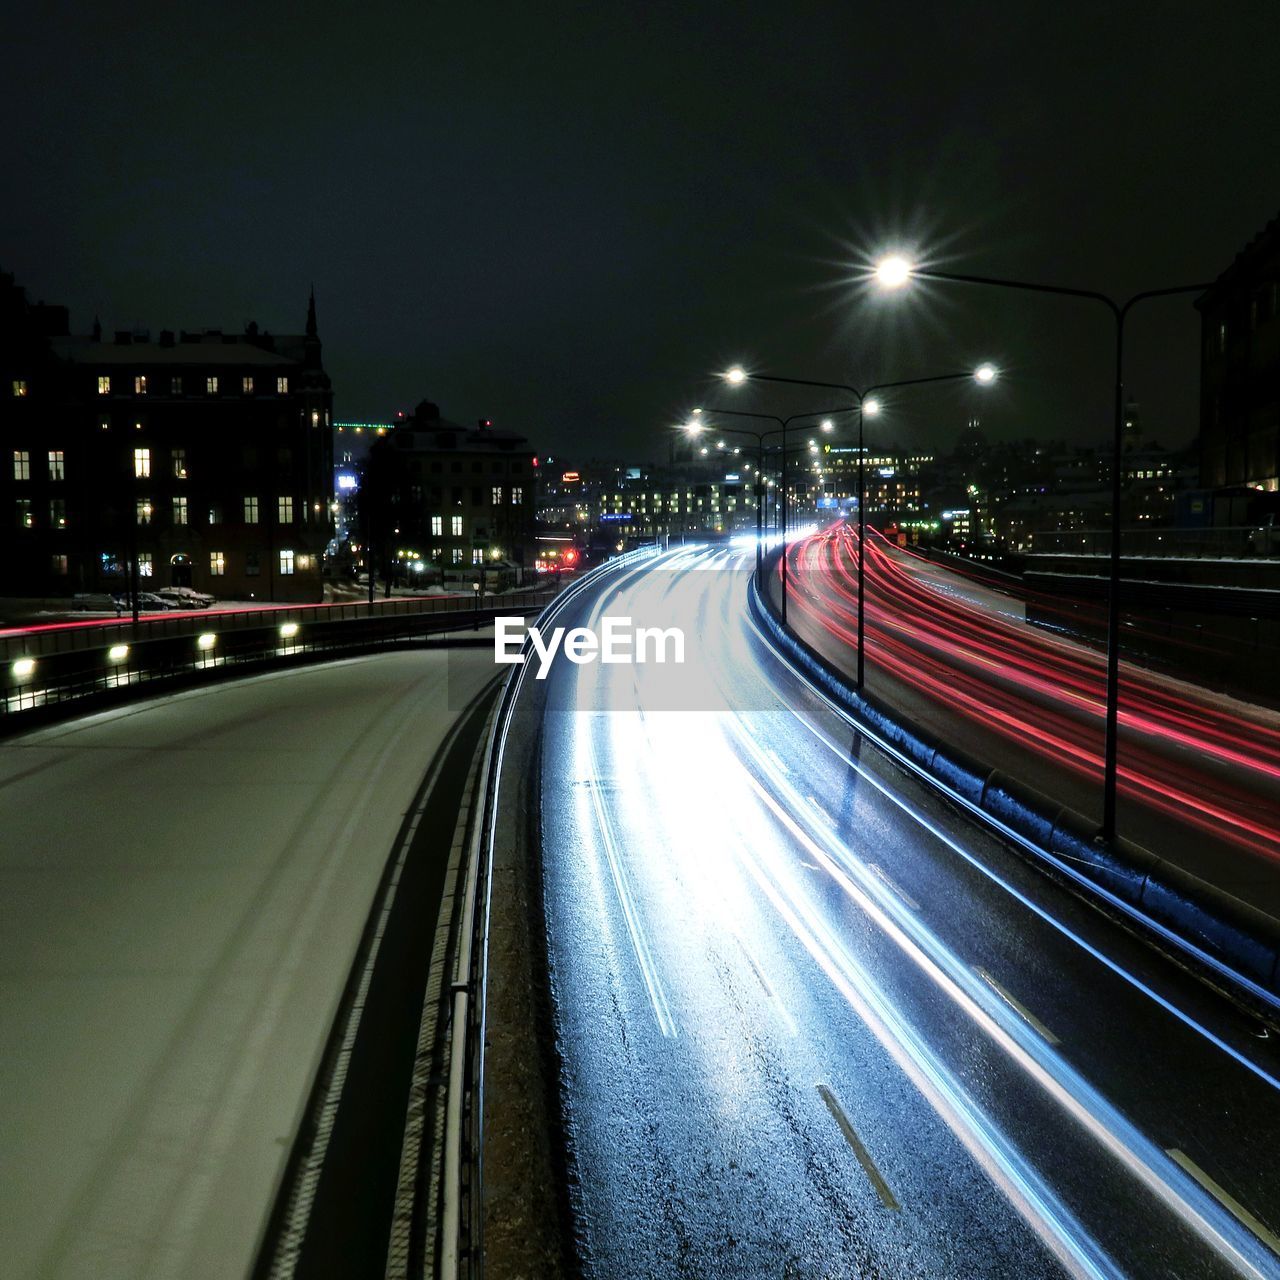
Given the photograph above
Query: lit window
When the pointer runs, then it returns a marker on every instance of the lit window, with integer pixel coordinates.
(19, 386)
(497, 495)
(144, 510)
(58, 513)
(175, 386)
(140, 384)
(179, 511)
(21, 464)
(517, 495)
(437, 525)
(215, 513)
(142, 463)
(146, 565)
(246, 385)
(211, 385)
(25, 519)
(286, 562)
(457, 555)
(58, 564)
(477, 556)
(104, 385)
(284, 510)
(217, 563)
(251, 511)
(455, 526)
(56, 471)
(179, 464)
(282, 386)
(104, 424)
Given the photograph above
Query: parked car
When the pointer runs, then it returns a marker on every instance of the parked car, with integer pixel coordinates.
(148, 602)
(1264, 540)
(185, 597)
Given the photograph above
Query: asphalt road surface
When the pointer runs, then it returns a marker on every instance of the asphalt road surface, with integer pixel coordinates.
(813, 1023)
(184, 884)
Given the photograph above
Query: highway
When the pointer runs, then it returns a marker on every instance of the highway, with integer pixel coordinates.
(1199, 771)
(185, 882)
(811, 1022)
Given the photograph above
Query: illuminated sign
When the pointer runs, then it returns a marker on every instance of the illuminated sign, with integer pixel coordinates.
(569, 477)
(615, 515)
(346, 481)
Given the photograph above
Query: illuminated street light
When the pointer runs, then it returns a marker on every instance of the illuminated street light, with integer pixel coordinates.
(985, 374)
(23, 668)
(206, 641)
(870, 407)
(118, 652)
(828, 425)
(894, 271)
(693, 428)
(736, 376)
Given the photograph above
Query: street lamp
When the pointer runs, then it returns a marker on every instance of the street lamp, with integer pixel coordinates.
(867, 405)
(694, 429)
(893, 272)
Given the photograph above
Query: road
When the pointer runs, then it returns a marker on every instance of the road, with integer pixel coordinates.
(185, 882)
(1199, 775)
(812, 1023)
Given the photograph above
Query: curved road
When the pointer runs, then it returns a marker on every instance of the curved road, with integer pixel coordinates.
(184, 885)
(813, 1023)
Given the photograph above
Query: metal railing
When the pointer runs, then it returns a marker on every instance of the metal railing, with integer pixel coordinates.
(42, 668)
(1213, 543)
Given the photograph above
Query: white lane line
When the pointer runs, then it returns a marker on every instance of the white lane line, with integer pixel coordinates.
(883, 1190)
(787, 1020)
(883, 876)
(1226, 1199)
(1017, 1006)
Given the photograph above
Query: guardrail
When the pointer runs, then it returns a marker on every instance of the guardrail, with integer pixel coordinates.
(461, 1216)
(65, 666)
(1210, 543)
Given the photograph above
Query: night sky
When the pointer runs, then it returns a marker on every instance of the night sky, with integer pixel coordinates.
(563, 216)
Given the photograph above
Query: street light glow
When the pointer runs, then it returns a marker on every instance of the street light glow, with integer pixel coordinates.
(828, 425)
(985, 374)
(118, 652)
(736, 376)
(893, 272)
(870, 407)
(23, 668)
(693, 428)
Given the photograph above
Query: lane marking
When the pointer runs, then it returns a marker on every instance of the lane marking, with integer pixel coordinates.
(883, 876)
(1226, 1199)
(883, 1190)
(1017, 1006)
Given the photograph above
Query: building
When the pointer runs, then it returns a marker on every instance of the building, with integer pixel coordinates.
(437, 498)
(204, 459)
(1240, 369)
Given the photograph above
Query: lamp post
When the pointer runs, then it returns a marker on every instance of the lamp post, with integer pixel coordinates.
(697, 426)
(896, 271)
(867, 406)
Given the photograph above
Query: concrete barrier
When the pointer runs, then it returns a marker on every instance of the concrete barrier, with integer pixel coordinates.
(1205, 920)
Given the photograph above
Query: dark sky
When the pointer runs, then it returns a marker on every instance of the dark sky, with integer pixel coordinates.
(563, 216)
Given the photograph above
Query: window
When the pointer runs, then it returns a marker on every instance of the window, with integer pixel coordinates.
(175, 386)
(143, 510)
(437, 526)
(142, 463)
(179, 511)
(146, 565)
(286, 562)
(1222, 338)
(282, 386)
(455, 526)
(457, 555)
(517, 495)
(251, 566)
(211, 385)
(284, 510)
(19, 386)
(104, 385)
(23, 511)
(104, 424)
(497, 495)
(179, 464)
(57, 513)
(58, 564)
(251, 511)
(246, 385)
(215, 513)
(217, 563)
(56, 471)
(140, 384)
(477, 555)
(21, 464)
